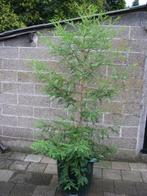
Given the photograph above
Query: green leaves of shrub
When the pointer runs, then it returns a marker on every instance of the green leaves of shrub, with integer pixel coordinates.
(85, 52)
(8, 18)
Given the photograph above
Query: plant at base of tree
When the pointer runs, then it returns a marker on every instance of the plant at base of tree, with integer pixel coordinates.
(76, 138)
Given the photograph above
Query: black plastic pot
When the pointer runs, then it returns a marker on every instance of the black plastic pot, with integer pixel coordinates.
(83, 191)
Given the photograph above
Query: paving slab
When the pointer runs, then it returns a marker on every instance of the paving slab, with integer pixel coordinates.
(5, 188)
(5, 163)
(59, 193)
(97, 172)
(103, 164)
(5, 155)
(111, 174)
(51, 169)
(141, 189)
(48, 160)
(126, 187)
(19, 165)
(109, 178)
(144, 176)
(5, 175)
(42, 191)
(37, 167)
(134, 176)
(138, 166)
(101, 185)
(120, 165)
(47, 190)
(108, 186)
(33, 158)
(53, 184)
(113, 194)
(22, 190)
(23, 177)
(96, 186)
(17, 156)
(95, 194)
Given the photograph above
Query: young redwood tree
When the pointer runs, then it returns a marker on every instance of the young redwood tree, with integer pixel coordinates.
(86, 54)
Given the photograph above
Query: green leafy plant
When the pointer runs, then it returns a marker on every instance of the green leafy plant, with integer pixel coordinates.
(85, 52)
(135, 3)
(115, 4)
(17, 13)
(8, 19)
(43, 11)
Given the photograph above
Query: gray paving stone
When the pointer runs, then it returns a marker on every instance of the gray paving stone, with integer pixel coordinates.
(106, 177)
(33, 158)
(99, 186)
(54, 182)
(97, 172)
(37, 167)
(123, 187)
(5, 175)
(23, 177)
(144, 176)
(48, 160)
(108, 185)
(113, 194)
(111, 174)
(59, 193)
(5, 163)
(42, 191)
(141, 194)
(5, 188)
(47, 190)
(141, 188)
(51, 169)
(138, 166)
(133, 176)
(5, 155)
(103, 164)
(120, 165)
(19, 165)
(96, 186)
(18, 156)
(95, 194)
(22, 190)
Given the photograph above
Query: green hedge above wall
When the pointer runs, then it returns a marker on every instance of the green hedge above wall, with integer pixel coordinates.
(17, 13)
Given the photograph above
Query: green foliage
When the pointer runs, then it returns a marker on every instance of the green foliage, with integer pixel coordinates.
(85, 51)
(115, 4)
(17, 12)
(43, 11)
(8, 19)
(135, 3)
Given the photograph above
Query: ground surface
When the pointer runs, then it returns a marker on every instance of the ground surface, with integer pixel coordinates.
(34, 175)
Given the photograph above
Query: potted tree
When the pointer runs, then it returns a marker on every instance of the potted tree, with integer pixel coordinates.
(76, 140)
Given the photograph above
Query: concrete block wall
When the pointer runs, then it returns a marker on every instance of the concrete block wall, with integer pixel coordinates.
(23, 102)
